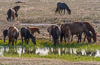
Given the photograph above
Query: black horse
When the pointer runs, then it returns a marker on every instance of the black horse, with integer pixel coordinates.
(26, 34)
(62, 6)
(5, 34)
(54, 32)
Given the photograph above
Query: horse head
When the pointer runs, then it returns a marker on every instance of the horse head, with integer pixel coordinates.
(33, 40)
(95, 37)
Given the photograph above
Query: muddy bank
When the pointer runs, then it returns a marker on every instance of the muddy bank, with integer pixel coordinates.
(42, 61)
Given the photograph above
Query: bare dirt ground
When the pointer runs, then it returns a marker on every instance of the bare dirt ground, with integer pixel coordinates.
(42, 61)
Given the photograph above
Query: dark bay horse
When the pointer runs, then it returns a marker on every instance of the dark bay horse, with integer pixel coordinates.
(5, 34)
(26, 34)
(91, 28)
(76, 29)
(67, 34)
(33, 29)
(13, 33)
(62, 6)
(54, 32)
(12, 13)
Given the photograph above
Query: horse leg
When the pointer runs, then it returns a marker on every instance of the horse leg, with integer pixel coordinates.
(22, 39)
(65, 39)
(4, 39)
(12, 41)
(27, 40)
(80, 36)
(9, 40)
(61, 37)
(64, 11)
(16, 41)
(84, 37)
(72, 38)
(50, 37)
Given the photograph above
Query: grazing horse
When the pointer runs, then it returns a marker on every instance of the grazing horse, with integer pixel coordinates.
(76, 28)
(13, 33)
(33, 29)
(12, 13)
(5, 34)
(67, 34)
(26, 34)
(62, 6)
(54, 32)
(91, 28)
(19, 2)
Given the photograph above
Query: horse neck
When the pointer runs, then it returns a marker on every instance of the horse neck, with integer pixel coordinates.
(90, 27)
(30, 35)
(38, 31)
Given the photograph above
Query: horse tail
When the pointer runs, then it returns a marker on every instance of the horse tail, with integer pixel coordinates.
(9, 13)
(61, 34)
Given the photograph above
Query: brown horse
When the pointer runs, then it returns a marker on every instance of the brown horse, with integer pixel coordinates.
(76, 28)
(67, 34)
(91, 28)
(12, 13)
(33, 29)
(19, 2)
(54, 32)
(13, 33)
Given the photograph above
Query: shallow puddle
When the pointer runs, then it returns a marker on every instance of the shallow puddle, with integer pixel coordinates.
(47, 51)
(37, 24)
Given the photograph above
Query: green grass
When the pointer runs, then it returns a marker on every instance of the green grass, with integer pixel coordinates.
(49, 44)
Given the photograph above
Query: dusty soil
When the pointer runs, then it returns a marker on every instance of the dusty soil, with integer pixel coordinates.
(43, 11)
(41, 61)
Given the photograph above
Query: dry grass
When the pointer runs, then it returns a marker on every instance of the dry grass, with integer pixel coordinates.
(43, 11)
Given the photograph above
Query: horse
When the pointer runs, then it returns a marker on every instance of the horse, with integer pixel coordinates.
(91, 28)
(13, 33)
(62, 6)
(76, 28)
(67, 34)
(19, 2)
(5, 34)
(12, 13)
(54, 32)
(33, 29)
(26, 34)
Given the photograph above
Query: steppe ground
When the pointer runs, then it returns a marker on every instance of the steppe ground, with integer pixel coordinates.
(43, 11)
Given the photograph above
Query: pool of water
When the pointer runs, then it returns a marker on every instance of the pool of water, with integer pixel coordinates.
(37, 24)
(46, 51)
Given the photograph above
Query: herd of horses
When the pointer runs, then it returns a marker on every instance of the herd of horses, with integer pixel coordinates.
(26, 33)
(69, 29)
(13, 12)
(66, 30)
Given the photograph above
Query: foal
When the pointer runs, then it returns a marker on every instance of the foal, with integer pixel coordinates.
(34, 29)
(67, 34)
